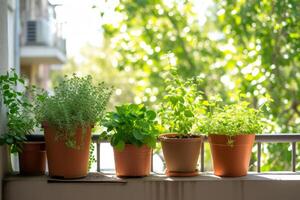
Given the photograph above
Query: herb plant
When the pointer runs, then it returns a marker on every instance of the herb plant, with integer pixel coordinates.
(131, 124)
(231, 120)
(20, 118)
(77, 102)
(181, 106)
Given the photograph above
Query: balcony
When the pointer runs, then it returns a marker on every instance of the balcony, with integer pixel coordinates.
(41, 45)
(105, 185)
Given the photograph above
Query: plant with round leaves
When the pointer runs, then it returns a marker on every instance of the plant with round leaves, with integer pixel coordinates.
(77, 102)
(19, 110)
(182, 105)
(131, 124)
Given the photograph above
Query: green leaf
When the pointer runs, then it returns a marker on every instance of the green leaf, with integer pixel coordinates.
(173, 100)
(188, 113)
(151, 114)
(138, 135)
(120, 145)
(5, 87)
(9, 140)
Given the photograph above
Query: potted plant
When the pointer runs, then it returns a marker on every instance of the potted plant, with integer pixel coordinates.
(132, 131)
(231, 133)
(68, 117)
(20, 123)
(179, 113)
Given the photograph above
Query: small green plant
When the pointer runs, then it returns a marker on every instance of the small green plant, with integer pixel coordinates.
(77, 102)
(232, 120)
(131, 124)
(182, 105)
(20, 118)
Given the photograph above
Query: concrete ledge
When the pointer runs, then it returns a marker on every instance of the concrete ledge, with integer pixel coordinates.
(264, 186)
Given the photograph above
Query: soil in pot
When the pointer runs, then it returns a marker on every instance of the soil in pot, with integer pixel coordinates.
(66, 162)
(32, 159)
(231, 160)
(181, 154)
(133, 161)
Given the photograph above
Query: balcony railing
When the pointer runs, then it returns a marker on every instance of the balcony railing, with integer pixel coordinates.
(292, 138)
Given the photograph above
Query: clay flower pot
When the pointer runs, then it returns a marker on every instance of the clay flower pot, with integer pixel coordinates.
(32, 159)
(133, 161)
(231, 160)
(181, 154)
(66, 162)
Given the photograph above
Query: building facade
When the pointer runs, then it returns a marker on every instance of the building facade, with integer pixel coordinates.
(41, 43)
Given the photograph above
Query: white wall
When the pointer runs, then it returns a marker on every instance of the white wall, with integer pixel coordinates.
(10, 31)
(4, 62)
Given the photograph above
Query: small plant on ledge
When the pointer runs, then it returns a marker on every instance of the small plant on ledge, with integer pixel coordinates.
(67, 118)
(231, 133)
(132, 131)
(180, 110)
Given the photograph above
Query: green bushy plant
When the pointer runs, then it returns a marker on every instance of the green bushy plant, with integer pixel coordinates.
(19, 111)
(232, 120)
(131, 124)
(182, 105)
(76, 102)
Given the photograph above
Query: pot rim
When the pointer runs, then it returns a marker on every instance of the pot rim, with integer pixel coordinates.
(239, 140)
(167, 137)
(34, 142)
(134, 146)
(46, 124)
(225, 135)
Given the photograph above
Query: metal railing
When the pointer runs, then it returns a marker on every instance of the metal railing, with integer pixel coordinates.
(259, 139)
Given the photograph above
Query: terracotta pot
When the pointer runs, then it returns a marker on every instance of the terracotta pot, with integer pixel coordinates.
(32, 159)
(66, 162)
(231, 160)
(133, 161)
(181, 154)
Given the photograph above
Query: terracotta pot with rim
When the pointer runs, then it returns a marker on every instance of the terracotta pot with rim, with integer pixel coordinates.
(133, 161)
(181, 154)
(66, 162)
(32, 159)
(231, 160)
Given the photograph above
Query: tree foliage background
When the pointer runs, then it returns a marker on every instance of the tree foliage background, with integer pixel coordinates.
(247, 46)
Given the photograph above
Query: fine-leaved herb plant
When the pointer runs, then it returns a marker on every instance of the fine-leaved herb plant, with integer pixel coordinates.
(234, 119)
(77, 102)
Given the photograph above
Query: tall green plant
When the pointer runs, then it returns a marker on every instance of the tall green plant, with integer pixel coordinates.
(20, 118)
(182, 104)
(77, 102)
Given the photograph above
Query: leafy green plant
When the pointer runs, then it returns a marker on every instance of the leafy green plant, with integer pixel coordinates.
(182, 105)
(131, 124)
(20, 118)
(77, 102)
(232, 120)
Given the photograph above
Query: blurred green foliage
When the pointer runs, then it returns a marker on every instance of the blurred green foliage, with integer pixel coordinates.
(250, 47)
